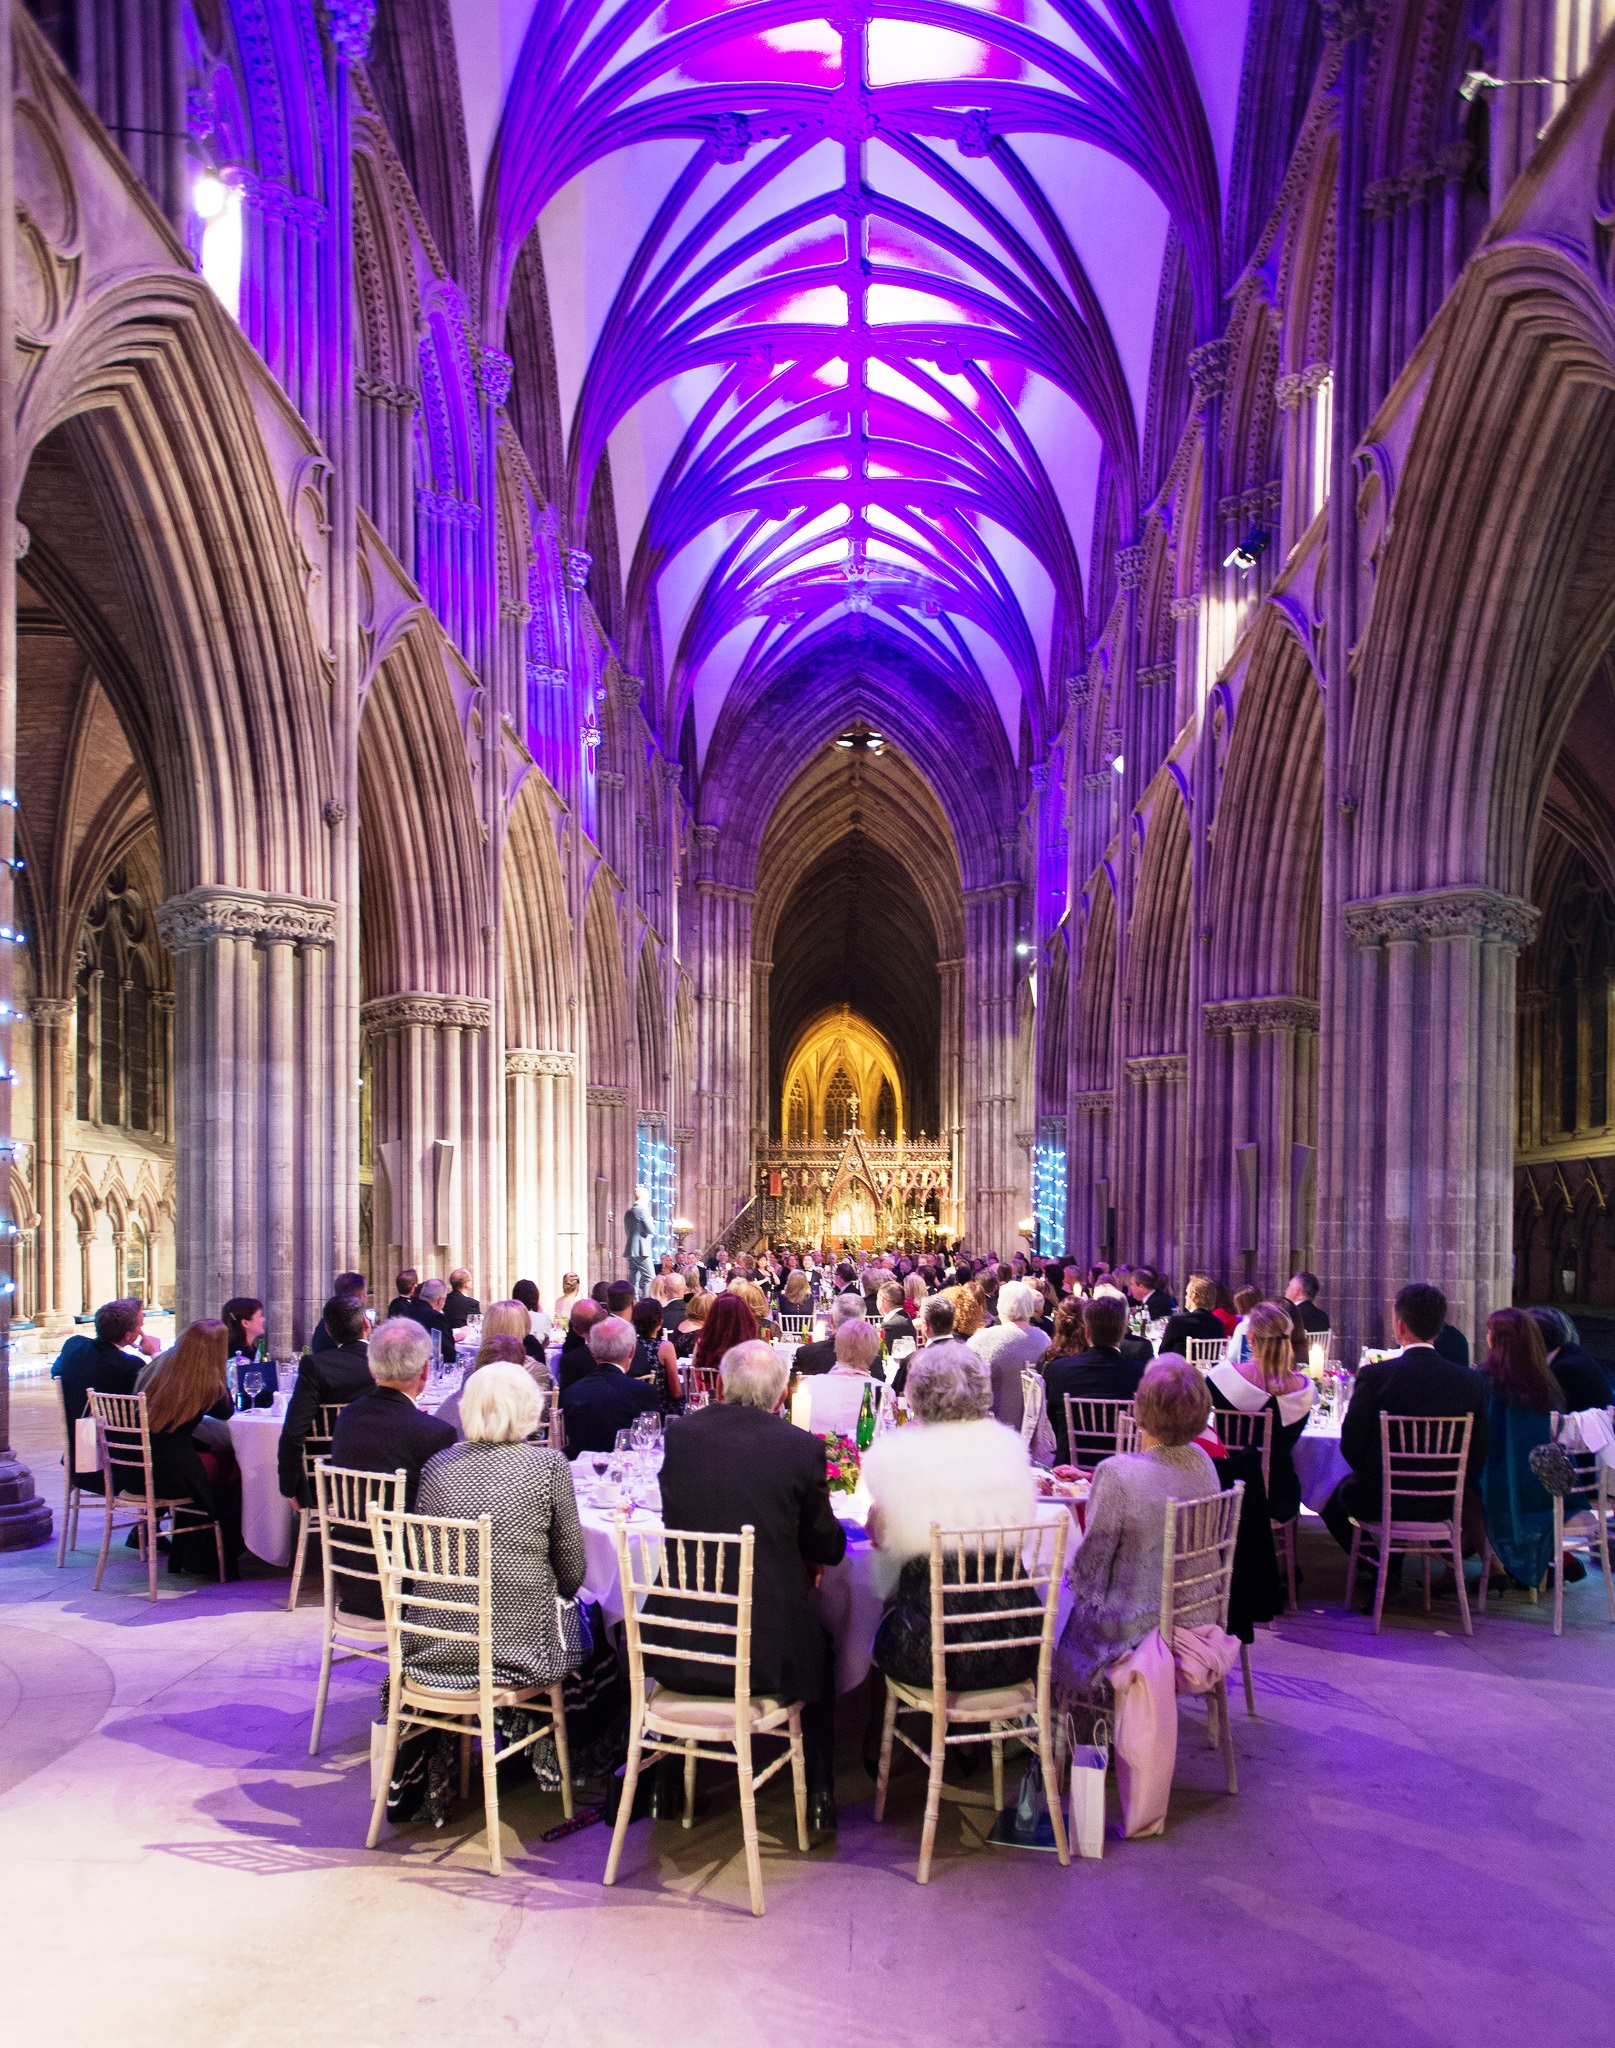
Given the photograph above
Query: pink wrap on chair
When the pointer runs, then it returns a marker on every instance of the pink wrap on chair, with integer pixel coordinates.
(1146, 1737)
(1203, 1655)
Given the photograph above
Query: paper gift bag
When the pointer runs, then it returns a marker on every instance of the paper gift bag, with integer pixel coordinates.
(378, 1755)
(85, 1455)
(1088, 1798)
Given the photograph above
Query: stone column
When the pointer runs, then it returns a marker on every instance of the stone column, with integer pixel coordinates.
(1087, 1167)
(538, 1166)
(950, 1099)
(251, 1049)
(1270, 1046)
(762, 1108)
(723, 1041)
(52, 1017)
(1430, 1147)
(993, 1197)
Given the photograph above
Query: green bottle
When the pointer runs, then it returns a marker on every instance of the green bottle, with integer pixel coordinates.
(866, 1417)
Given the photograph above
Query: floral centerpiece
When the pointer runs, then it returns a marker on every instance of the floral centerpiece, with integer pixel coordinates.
(840, 1461)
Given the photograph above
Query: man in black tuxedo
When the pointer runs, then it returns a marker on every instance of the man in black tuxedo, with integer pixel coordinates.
(460, 1304)
(741, 1462)
(1201, 1295)
(344, 1283)
(1585, 1381)
(381, 1429)
(324, 1378)
(820, 1357)
(1100, 1373)
(1302, 1295)
(895, 1320)
(1147, 1290)
(604, 1399)
(1418, 1381)
(100, 1365)
(427, 1310)
(574, 1359)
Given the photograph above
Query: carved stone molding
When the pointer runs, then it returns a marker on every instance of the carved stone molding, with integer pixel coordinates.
(207, 914)
(451, 510)
(401, 397)
(1130, 567)
(350, 24)
(600, 1097)
(334, 813)
(612, 778)
(629, 688)
(49, 1009)
(1208, 369)
(1263, 1013)
(496, 371)
(1443, 914)
(1185, 607)
(1093, 1099)
(578, 564)
(400, 1012)
(684, 1134)
(1288, 391)
(1157, 675)
(1098, 778)
(1158, 1066)
(520, 1059)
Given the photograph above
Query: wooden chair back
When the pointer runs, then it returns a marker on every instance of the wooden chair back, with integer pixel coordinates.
(795, 1325)
(1096, 1430)
(1592, 1474)
(1034, 1404)
(344, 1499)
(1197, 1563)
(711, 1577)
(1204, 1352)
(1423, 1460)
(1007, 1579)
(317, 1444)
(703, 1379)
(1243, 1432)
(124, 1438)
(436, 1588)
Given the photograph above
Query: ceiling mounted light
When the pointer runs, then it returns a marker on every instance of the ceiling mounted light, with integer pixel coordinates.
(859, 738)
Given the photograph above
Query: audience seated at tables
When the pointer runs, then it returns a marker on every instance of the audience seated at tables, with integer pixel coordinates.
(654, 1360)
(1524, 1393)
(495, 1350)
(697, 1307)
(821, 1356)
(514, 1318)
(574, 1358)
(1302, 1294)
(837, 1397)
(354, 1284)
(406, 1284)
(796, 1295)
(959, 1467)
(382, 1430)
(1587, 1381)
(1115, 1576)
(1269, 1379)
(670, 1289)
(1009, 1346)
(1198, 1322)
(1418, 1381)
(188, 1410)
(740, 1462)
(540, 1634)
(604, 1399)
(324, 1378)
(729, 1321)
(100, 1365)
(460, 1305)
(1101, 1372)
(427, 1310)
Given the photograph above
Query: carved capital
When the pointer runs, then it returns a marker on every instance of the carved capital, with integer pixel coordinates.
(1208, 370)
(1185, 607)
(521, 1059)
(1263, 1013)
(1344, 19)
(335, 814)
(401, 1012)
(495, 372)
(704, 837)
(1157, 676)
(578, 565)
(350, 25)
(612, 778)
(629, 688)
(205, 914)
(52, 1010)
(401, 397)
(452, 511)
(1130, 567)
(600, 1097)
(1099, 778)
(1093, 1099)
(1443, 914)
(1158, 1066)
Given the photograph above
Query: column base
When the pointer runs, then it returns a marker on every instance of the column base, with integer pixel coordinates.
(25, 1520)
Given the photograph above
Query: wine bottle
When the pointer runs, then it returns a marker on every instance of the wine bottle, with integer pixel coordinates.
(866, 1417)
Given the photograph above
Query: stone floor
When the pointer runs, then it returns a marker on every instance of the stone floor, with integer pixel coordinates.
(1421, 1852)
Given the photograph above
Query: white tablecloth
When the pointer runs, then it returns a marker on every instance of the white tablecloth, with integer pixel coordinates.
(268, 1522)
(1320, 1464)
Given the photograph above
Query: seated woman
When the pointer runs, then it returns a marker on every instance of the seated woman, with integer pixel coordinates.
(515, 1319)
(969, 1311)
(1524, 1393)
(537, 1564)
(837, 1396)
(957, 1466)
(1239, 1343)
(1269, 1379)
(188, 1412)
(796, 1296)
(727, 1322)
(654, 1358)
(571, 1288)
(688, 1334)
(1115, 1577)
(494, 1351)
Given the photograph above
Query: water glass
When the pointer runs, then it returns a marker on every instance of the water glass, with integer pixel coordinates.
(253, 1385)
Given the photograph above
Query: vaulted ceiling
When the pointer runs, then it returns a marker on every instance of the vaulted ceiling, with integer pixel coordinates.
(859, 304)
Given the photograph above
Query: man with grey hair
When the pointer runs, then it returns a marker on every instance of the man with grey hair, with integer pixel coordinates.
(740, 1462)
(820, 1357)
(427, 1310)
(604, 1399)
(382, 1430)
(1009, 1346)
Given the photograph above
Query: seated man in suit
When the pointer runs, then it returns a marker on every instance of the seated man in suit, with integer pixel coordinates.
(573, 1359)
(1201, 1295)
(1302, 1295)
(344, 1283)
(460, 1304)
(100, 1365)
(604, 1399)
(324, 1378)
(821, 1357)
(427, 1310)
(1419, 1381)
(741, 1462)
(1586, 1381)
(1100, 1373)
(895, 1320)
(381, 1429)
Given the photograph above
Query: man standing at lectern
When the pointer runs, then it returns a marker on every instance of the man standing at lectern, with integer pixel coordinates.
(638, 1230)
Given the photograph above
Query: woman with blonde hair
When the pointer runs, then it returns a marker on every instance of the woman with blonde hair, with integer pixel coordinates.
(696, 1311)
(1267, 1378)
(513, 1319)
(188, 1412)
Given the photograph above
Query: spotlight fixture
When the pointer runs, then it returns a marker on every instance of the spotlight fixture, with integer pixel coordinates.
(1243, 557)
(1119, 763)
(860, 739)
(1477, 82)
(1022, 948)
(209, 196)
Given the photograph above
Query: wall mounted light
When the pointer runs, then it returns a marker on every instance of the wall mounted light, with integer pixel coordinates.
(1243, 558)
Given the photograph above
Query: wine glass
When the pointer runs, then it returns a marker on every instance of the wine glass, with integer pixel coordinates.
(252, 1385)
(601, 1462)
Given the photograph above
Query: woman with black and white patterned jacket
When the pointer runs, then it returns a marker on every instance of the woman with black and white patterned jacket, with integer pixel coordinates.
(536, 1544)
